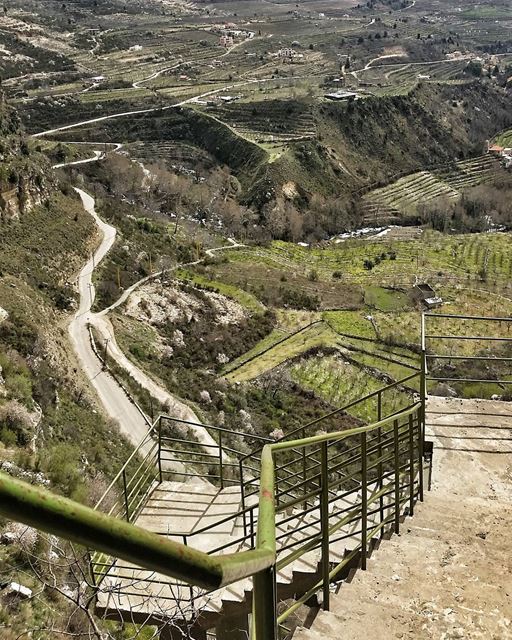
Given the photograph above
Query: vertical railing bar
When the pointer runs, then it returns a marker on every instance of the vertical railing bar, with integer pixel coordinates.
(422, 411)
(324, 520)
(242, 494)
(304, 471)
(160, 449)
(125, 492)
(397, 476)
(252, 528)
(264, 618)
(380, 466)
(364, 501)
(221, 466)
(411, 465)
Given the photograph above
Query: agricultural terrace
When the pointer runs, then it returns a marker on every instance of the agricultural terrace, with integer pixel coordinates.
(401, 198)
(504, 139)
(369, 333)
(480, 260)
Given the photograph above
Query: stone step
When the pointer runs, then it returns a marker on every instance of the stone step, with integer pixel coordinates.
(353, 624)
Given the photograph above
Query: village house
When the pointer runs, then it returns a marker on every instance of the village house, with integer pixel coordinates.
(226, 41)
(426, 295)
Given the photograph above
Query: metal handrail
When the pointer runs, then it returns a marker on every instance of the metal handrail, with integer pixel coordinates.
(39, 507)
(344, 408)
(78, 523)
(429, 359)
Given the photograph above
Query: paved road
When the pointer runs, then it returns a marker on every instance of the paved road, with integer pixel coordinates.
(116, 403)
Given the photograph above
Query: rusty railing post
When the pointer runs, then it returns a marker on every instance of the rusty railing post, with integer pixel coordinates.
(364, 502)
(396, 445)
(324, 524)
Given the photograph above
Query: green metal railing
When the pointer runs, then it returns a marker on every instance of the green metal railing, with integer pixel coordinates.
(319, 498)
(445, 348)
(298, 462)
(382, 474)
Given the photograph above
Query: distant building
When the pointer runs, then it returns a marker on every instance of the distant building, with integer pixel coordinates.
(425, 294)
(229, 98)
(226, 41)
(503, 153)
(506, 156)
(496, 149)
(341, 94)
(287, 53)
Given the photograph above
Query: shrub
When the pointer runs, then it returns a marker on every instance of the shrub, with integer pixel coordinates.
(15, 423)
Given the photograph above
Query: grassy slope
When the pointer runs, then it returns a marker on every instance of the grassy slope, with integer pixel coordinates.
(363, 142)
(40, 255)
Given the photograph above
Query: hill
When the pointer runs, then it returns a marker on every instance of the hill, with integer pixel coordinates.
(333, 149)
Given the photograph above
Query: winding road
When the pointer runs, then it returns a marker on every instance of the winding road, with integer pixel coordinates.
(117, 405)
(132, 423)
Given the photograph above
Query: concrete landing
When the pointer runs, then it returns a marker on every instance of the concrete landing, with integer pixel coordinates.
(449, 574)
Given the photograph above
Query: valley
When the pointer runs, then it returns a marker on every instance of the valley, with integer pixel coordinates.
(225, 213)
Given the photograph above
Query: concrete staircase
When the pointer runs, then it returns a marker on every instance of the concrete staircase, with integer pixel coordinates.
(449, 574)
(137, 594)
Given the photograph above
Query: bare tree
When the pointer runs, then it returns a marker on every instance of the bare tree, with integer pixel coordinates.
(67, 592)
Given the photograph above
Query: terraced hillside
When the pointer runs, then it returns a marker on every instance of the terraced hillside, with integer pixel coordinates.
(268, 121)
(410, 73)
(174, 152)
(505, 138)
(401, 198)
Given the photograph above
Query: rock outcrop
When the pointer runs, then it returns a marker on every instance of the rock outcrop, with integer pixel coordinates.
(25, 174)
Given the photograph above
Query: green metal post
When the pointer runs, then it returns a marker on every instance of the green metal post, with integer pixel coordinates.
(242, 494)
(304, 472)
(380, 469)
(160, 449)
(221, 466)
(397, 476)
(422, 410)
(125, 493)
(364, 501)
(411, 465)
(421, 430)
(264, 610)
(324, 524)
(264, 615)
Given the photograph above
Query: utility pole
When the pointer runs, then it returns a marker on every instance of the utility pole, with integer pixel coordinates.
(90, 292)
(107, 340)
(118, 278)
